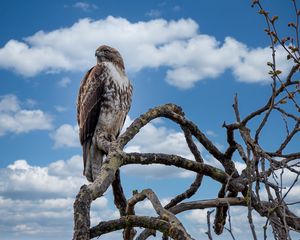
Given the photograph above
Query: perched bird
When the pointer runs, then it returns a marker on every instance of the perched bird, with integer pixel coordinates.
(103, 102)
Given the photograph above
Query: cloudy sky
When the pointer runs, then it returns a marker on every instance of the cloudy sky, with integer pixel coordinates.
(196, 54)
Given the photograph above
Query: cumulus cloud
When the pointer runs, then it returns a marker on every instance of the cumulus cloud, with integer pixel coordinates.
(239, 221)
(29, 61)
(9, 103)
(37, 202)
(170, 141)
(158, 139)
(23, 180)
(66, 136)
(16, 120)
(253, 68)
(197, 215)
(189, 56)
(155, 137)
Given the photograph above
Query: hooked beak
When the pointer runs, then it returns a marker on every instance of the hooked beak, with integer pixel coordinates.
(98, 53)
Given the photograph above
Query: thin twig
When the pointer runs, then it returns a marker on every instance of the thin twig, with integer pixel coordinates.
(208, 224)
(229, 221)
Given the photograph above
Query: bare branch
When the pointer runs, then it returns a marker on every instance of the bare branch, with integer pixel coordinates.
(162, 212)
(133, 221)
(120, 200)
(177, 161)
(289, 138)
(210, 203)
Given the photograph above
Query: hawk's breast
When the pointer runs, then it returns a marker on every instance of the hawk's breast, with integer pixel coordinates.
(116, 100)
(118, 77)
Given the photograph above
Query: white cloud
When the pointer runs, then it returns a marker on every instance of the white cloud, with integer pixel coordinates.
(23, 228)
(30, 61)
(170, 140)
(146, 208)
(158, 139)
(85, 6)
(286, 178)
(9, 103)
(253, 65)
(156, 171)
(189, 56)
(66, 136)
(240, 226)
(16, 120)
(37, 202)
(198, 216)
(64, 82)
(240, 166)
(70, 167)
(21, 179)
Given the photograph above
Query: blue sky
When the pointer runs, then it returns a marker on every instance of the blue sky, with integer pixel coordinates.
(196, 54)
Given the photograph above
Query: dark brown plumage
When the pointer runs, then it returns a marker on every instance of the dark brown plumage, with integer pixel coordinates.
(104, 100)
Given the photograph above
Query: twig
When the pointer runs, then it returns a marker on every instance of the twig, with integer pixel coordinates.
(208, 224)
(250, 220)
(229, 221)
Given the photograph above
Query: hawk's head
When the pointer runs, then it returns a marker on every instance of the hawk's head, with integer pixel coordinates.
(106, 53)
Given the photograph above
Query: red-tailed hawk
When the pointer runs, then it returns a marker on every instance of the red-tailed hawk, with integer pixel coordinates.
(103, 102)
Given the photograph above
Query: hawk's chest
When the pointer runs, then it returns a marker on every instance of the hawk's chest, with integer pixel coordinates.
(116, 88)
(116, 76)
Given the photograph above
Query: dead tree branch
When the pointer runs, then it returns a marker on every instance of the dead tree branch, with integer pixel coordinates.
(259, 187)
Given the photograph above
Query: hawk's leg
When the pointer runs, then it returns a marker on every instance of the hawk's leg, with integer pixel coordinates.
(98, 150)
(103, 140)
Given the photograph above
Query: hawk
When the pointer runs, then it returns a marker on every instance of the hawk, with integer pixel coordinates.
(103, 102)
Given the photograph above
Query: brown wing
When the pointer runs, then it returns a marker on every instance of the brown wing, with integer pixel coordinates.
(81, 91)
(89, 102)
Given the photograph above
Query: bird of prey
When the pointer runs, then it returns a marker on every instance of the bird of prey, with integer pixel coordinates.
(103, 102)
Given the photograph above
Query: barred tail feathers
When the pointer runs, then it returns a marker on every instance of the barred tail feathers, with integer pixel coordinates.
(92, 159)
(97, 160)
(85, 155)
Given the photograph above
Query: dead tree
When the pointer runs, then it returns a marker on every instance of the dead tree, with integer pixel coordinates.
(262, 165)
